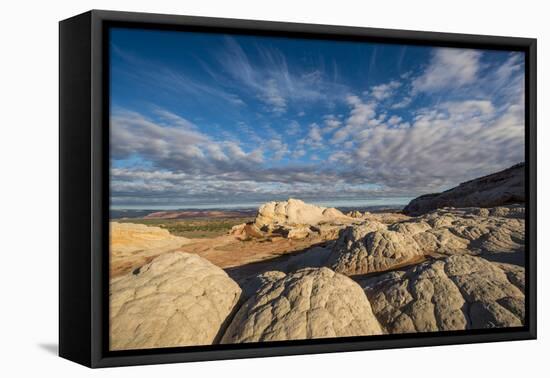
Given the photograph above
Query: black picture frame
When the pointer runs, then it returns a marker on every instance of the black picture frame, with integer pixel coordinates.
(84, 188)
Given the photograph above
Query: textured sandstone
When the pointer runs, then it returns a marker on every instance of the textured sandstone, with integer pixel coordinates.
(360, 252)
(501, 188)
(133, 245)
(456, 293)
(309, 303)
(295, 219)
(473, 231)
(295, 212)
(355, 214)
(178, 299)
(497, 233)
(129, 238)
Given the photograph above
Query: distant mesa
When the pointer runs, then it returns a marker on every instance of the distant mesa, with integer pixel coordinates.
(186, 214)
(497, 189)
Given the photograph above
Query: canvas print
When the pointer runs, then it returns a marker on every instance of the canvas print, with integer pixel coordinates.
(268, 189)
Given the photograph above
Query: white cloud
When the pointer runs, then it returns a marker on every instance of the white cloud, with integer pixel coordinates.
(172, 142)
(512, 65)
(298, 153)
(384, 91)
(256, 156)
(314, 137)
(216, 152)
(271, 94)
(293, 128)
(362, 115)
(449, 68)
(331, 123)
(403, 103)
(394, 120)
(315, 133)
(361, 112)
(132, 133)
(340, 156)
(278, 148)
(445, 145)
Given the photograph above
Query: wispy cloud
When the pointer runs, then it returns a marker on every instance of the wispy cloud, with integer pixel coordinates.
(301, 131)
(449, 68)
(159, 75)
(271, 79)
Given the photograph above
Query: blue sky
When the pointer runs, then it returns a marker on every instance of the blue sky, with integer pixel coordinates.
(211, 120)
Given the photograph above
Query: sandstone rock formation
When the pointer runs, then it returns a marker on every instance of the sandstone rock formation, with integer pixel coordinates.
(309, 303)
(455, 293)
(178, 299)
(356, 214)
(295, 212)
(386, 218)
(497, 234)
(296, 219)
(315, 257)
(359, 251)
(127, 238)
(251, 286)
(501, 188)
(133, 245)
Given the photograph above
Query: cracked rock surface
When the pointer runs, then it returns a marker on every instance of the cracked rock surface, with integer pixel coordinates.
(360, 250)
(497, 234)
(454, 293)
(309, 303)
(178, 299)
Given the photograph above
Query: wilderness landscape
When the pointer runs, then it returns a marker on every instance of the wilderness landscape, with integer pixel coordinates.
(448, 261)
(268, 189)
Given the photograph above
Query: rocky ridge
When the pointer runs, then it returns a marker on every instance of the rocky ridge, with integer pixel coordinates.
(497, 233)
(497, 189)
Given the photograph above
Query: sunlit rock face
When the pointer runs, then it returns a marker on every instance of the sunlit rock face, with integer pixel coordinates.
(497, 233)
(178, 299)
(501, 188)
(309, 303)
(454, 293)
